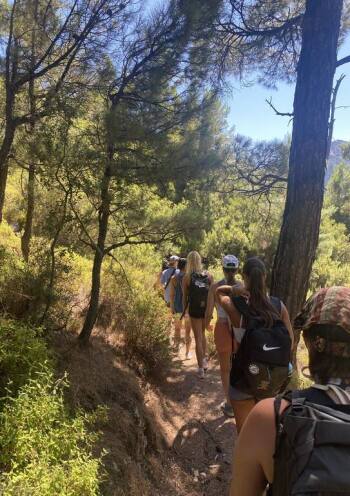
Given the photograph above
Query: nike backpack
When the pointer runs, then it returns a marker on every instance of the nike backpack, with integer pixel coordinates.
(198, 294)
(261, 367)
(312, 456)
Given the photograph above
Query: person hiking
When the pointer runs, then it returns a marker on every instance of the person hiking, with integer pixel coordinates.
(177, 309)
(195, 287)
(223, 338)
(251, 307)
(166, 276)
(300, 443)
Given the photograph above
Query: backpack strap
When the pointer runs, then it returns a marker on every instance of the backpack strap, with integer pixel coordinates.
(242, 306)
(335, 393)
(168, 281)
(276, 302)
(277, 407)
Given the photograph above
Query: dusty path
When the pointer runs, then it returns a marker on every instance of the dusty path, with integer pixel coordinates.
(199, 436)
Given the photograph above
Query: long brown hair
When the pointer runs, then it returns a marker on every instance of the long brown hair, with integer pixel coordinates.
(259, 303)
(328, 346)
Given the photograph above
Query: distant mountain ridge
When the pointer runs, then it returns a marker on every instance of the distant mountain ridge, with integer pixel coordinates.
(335, 157)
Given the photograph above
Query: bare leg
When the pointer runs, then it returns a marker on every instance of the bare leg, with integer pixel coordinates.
(241, 410)
(197, 327)
(177, 333)
(188, 338)
(204, 339)
(225, 367)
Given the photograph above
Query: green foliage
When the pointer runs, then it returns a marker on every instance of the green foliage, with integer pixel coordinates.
(15, 276)
(44, 451)
(131, 306)
(338, 195)
(25, 288)
(146, 327)
(332, 265)
(242, 226)
(22, 353)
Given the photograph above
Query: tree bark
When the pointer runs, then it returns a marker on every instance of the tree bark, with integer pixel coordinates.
(4, 164)
(27, 234)
(307, 162)
(104, 214)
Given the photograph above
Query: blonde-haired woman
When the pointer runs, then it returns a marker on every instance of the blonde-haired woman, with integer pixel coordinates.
(195, 288)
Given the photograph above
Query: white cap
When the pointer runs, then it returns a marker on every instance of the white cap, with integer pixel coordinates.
(230, 262)
(174, 258)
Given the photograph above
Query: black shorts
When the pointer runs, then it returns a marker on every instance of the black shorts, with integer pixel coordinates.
(196, 315)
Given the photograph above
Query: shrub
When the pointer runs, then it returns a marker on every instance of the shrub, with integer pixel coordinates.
(12, 298)
(131, 305)
(22, 351)
(43, 451)
(146, 326)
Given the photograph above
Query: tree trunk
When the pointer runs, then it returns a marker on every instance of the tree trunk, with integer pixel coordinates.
(4, 165)
(104, 214)
(27, 234)
(307, 162)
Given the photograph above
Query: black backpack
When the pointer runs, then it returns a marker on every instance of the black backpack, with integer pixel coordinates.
(312, 456)
(261, 366)
(198, 294)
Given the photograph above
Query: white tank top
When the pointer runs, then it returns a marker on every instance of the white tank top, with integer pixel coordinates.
(219, 310)
(239, 331)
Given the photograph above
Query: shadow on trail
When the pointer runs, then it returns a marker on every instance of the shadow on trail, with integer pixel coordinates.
(204, 448)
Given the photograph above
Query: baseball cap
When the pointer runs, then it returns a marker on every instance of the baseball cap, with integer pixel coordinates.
(230, 262)
(174, 258)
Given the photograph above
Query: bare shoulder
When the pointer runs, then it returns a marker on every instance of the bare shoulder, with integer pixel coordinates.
(258, 436)
(264, 411)
(260, 425)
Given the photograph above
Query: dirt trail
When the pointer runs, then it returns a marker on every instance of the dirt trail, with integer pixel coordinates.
(199, 436)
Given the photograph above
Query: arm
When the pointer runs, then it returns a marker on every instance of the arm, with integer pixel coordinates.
(226, 302)
(222, 291)
(253, 456)
(210, 305)
(237, 289)
(257, 436)
(287, 323)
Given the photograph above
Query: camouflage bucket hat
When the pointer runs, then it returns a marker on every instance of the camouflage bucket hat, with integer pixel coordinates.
(329, 307)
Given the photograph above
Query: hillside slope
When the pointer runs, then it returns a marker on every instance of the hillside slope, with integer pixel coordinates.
(335, 157)
(164, 439)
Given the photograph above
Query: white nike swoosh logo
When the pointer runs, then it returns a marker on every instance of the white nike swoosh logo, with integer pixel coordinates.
(268, 348)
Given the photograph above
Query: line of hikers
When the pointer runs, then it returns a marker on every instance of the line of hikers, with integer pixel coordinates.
(289, 442)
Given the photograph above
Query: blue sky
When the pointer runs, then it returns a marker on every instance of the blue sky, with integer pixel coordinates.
(250, 115)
